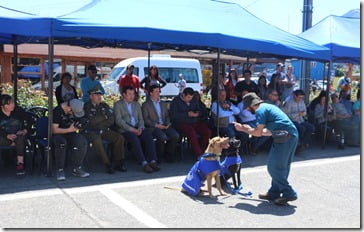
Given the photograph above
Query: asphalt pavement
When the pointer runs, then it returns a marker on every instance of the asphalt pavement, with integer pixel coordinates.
(327, 182)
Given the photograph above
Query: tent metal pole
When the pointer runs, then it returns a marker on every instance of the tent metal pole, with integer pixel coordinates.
(149, 47)
(48, 149)
(218, 92)
(326, 102)
(15, 70)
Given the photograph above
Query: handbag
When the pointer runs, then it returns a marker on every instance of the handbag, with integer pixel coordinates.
(281, 136)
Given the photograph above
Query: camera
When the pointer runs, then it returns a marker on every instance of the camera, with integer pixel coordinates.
(81, 123)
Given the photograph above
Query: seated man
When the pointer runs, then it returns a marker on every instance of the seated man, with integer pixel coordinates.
(185, 114)
(64, 136)
(345, 122)
(130, 123)
(101, 119)
(156, 117)
(295, 108)
(226, 115)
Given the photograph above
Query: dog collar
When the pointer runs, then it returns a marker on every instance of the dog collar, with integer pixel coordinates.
(209, 155)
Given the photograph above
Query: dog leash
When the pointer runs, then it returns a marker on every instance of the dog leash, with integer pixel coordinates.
(237, 191)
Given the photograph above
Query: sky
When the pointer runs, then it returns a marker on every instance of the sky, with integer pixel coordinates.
(287, 14)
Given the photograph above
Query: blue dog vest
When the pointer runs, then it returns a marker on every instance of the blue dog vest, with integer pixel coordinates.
(228, 161)
(197, 175)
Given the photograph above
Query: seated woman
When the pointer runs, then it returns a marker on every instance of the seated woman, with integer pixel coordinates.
(12, 130)
(65, 92)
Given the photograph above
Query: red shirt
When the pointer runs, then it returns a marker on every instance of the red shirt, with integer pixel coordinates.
(132, 81)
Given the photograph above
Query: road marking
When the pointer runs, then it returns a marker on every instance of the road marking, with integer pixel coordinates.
(30, 194)
(179, 179)
(131, 209)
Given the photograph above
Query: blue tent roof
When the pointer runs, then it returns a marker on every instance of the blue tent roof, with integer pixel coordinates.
(340, 34)
(182, 25)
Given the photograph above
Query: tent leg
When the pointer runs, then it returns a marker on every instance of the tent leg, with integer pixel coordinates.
(48, 150)
(326, 103)
(15, 70)
(218, 92)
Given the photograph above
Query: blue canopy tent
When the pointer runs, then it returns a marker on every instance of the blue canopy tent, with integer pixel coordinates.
(341, 34)
(208, 24)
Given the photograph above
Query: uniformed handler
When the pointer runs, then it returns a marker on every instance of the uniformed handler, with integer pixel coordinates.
(273, 121)
(101, 119)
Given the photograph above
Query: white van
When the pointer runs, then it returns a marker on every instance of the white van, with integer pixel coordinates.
(169, 69)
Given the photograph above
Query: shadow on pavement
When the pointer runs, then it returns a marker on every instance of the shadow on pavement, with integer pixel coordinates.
(266, 207)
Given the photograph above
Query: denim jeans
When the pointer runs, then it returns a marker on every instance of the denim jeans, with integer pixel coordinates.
(279, 163)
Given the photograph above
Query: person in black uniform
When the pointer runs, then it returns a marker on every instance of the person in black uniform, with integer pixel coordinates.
(101, 119)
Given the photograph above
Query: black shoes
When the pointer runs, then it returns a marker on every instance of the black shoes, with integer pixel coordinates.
(265, 196)
(284, 200)
(109, 169)
(120, 168)
(154, 166)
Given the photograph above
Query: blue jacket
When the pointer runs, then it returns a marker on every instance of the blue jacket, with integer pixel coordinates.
(197, 175)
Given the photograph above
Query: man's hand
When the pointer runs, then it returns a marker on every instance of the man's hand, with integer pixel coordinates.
(192, 114)
(72, 128)
(22, 132)
(11, 137)
(160, 126)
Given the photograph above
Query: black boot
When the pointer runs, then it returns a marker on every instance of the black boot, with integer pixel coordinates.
(120, 167)
(109, 169)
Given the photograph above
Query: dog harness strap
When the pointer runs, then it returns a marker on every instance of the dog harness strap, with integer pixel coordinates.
(209, 155)
(228, 161)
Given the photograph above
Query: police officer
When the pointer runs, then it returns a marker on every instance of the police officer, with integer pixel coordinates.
(101, 119)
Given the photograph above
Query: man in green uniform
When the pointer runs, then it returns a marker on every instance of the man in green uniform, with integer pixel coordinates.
(273, 121)
(98, 129)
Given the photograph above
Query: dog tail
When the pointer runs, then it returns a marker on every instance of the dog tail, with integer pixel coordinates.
(173, 188)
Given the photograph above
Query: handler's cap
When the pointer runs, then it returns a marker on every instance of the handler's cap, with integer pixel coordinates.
(77, 108)
(95, 90)
(251, 99)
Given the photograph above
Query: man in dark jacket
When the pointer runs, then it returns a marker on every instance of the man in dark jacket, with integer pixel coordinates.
(185, 114)
(101, 119)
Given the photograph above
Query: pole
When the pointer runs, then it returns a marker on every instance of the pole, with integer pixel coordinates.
(326, 101)
(305, 71)
(48, 150)
(149, 47)
(15, 70)
(218, 91)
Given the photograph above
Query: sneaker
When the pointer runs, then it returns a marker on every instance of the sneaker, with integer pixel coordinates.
(60, 175)
(284, 200)
(20, 169)
(79, 172)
